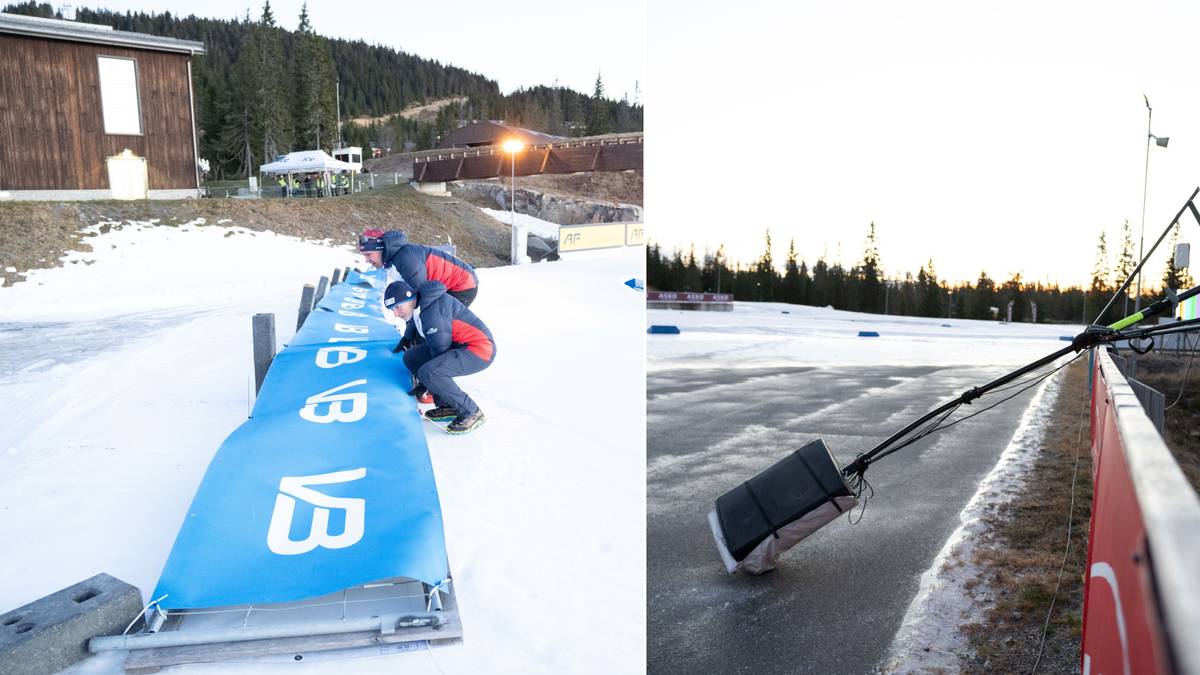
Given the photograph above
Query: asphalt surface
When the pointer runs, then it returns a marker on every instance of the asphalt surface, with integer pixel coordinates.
(837, 599)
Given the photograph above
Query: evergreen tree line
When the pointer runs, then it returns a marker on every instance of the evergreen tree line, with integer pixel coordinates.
(262, 90)
(863, 287)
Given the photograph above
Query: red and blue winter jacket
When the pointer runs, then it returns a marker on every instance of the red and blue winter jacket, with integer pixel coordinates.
(446, 323)
(417, 264)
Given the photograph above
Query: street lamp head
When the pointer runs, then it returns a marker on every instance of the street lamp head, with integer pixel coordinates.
(1160, 141)
(513, 145)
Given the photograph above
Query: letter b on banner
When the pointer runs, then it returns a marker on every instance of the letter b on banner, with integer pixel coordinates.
(291, 488)
(336, 411)
(332, 357)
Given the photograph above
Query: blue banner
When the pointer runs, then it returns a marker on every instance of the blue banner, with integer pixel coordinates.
(328, 485)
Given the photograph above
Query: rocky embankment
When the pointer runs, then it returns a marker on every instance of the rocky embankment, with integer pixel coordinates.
(555, 208)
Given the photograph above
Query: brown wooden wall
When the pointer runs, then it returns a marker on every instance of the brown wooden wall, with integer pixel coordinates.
(51, 121)
(592, 157)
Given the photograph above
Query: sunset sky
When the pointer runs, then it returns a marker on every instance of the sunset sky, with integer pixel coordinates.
(997, 136)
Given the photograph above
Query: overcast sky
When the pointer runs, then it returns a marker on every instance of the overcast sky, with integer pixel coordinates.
(1001, 136)
(520, 43)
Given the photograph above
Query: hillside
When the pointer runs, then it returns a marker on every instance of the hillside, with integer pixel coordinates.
(34, 234)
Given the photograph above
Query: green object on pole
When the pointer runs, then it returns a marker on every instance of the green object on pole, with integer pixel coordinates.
(1128, 321)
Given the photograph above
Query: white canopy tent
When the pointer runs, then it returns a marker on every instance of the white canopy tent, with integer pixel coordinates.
(309, 161)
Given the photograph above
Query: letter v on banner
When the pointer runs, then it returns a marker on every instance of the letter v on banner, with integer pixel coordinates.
(292, 488)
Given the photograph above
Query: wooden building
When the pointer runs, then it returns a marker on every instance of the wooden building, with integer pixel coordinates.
(480, 134)
(87, 112)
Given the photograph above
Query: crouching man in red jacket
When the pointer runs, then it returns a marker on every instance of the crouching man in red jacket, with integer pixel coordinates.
(442, 340)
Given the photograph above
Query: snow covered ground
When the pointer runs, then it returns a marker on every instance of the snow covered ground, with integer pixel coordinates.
(762, 334)
(542, 228)
(126, 368)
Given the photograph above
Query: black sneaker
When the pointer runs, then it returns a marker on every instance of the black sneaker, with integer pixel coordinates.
(442, 413)
(466, 423)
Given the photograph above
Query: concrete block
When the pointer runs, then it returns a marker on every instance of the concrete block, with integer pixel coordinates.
(51, 633)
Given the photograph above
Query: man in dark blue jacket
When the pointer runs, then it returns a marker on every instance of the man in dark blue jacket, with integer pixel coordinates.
(415, 263)
(455, 343)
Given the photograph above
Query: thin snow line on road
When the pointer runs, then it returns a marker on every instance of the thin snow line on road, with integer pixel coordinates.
(929, 637)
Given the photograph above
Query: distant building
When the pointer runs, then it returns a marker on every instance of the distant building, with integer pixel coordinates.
(478, 134)
(87, 112)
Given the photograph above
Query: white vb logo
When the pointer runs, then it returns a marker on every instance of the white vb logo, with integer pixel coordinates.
(292, 488)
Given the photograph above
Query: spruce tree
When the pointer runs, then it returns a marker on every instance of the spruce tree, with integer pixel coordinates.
(870, 289)
(929, 291)
(239, 132)
(765, 282)
(599, 120)
(1100, 288)
(1125, 262)
(313, 75)
(1014, 292)
(790, 286)
(983, 299)
(271, 109)
(691, 276)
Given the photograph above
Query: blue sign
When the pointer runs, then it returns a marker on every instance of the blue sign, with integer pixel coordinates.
(328, 485)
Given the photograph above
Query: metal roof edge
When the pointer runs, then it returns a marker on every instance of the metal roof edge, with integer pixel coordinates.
(14, 24)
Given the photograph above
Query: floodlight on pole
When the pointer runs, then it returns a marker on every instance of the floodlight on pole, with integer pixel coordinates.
(512, 146)
(1162, 143)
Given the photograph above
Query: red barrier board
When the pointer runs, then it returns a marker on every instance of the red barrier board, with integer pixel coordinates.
(671, 296)
(1122, 626)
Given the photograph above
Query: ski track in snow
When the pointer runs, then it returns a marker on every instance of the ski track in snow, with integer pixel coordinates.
(929, 638)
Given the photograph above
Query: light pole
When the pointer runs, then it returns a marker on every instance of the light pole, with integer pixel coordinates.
(1162, 143)
(512, 147)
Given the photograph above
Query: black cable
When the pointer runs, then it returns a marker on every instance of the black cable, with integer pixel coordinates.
(1014, 395)
(1161, 329)
(1186, 372)
(937, 425)
(861, 484)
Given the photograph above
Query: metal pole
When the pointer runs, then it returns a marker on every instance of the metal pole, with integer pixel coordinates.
(263, 331)
(387, 623)
(512, 205)
(321, 286)
(306, 303)
(1137, 300)
(338, 94)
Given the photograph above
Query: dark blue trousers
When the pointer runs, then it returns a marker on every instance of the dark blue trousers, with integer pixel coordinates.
(437, 373)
